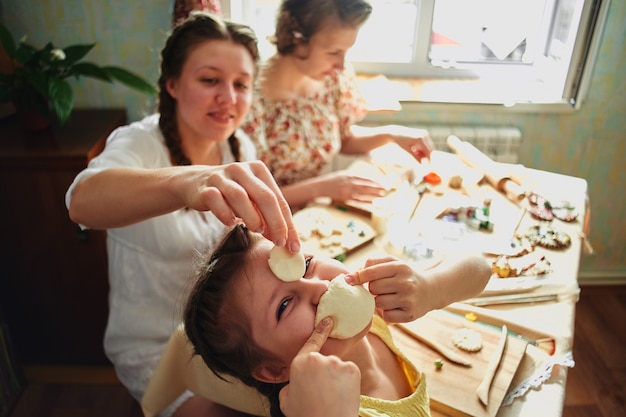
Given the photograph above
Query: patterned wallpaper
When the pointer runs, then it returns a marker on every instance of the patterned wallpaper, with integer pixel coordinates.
(590, 143)
(126, 36)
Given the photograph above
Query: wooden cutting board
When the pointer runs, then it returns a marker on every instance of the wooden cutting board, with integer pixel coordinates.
(452, 389)
(331, 231)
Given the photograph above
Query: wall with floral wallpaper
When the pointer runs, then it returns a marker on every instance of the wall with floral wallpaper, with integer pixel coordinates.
(589, 143)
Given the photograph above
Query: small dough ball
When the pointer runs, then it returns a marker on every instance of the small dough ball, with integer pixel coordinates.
(456, 182)
(350, 306)
(285, 265)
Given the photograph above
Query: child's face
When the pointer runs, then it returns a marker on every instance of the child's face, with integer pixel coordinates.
(282, 313)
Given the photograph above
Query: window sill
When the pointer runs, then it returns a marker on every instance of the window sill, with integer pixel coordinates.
(459, 95)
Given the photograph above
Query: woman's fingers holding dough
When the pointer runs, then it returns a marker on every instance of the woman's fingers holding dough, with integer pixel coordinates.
(264, 207)
(285, 265)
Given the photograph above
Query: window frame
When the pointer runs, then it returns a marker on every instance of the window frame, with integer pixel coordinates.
(576, 85)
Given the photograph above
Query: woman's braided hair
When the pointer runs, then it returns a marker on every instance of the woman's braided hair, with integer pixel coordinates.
(298, 20)
(198, 28)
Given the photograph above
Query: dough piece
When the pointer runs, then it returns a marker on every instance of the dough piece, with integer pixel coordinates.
(544, 235)
(455, 182)
(350, 306)
(503, 268)
(285, 265)
(528, 265)
(567, 214)
(541, 212)
(467, 339)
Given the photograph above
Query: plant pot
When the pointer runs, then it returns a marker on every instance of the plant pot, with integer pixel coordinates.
(31, 119)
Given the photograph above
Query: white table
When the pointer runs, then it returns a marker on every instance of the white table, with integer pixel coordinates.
(555, 318)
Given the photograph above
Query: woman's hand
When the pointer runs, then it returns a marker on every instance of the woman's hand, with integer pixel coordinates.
(245, 190)
(319, 385)
(342, 186)
(404, 294)
(419, 144)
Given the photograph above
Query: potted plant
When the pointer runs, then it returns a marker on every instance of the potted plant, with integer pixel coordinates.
(35, 79)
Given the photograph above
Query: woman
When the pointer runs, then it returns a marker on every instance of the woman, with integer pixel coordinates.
(246, 323)
(166, 187)
(307, 102)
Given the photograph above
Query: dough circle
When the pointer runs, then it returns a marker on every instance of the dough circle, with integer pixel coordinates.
(467, 339)
(350, 306)
(285, 265)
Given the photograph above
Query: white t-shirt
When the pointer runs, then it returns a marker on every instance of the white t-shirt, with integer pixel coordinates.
(151, 263)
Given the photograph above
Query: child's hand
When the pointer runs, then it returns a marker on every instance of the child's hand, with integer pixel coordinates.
(401, 292)
(320, 385)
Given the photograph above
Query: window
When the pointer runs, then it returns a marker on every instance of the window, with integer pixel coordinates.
(511, 52)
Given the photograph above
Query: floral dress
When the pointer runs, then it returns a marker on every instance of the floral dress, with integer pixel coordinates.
(297, 137)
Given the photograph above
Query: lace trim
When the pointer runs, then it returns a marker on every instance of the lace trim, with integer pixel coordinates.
(541, 376)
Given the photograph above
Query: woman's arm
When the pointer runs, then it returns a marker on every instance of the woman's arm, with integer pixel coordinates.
(404, 294)
(455, 279)
(119, 197)
(415, 141)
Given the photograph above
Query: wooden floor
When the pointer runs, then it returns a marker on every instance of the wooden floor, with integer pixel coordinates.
(596, 386)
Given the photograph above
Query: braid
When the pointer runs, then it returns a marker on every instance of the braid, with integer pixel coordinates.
(285, 36)
(169, 127)
(233, 141)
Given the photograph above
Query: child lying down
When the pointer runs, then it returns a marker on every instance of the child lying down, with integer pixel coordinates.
(246, 323)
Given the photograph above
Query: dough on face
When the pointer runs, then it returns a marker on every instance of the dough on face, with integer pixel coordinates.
(350, 306)
(285, 265)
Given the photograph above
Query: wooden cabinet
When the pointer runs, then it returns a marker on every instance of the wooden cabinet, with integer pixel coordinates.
(53, 282)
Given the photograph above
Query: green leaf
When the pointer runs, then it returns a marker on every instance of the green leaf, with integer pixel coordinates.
(8, 43)
(87, 69)
(37, 80)
(131, 80)
(25, 53)
(75, 53)
(61, 98)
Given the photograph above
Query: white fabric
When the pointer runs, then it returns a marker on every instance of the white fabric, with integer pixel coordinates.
(150, 263)
(538, 378)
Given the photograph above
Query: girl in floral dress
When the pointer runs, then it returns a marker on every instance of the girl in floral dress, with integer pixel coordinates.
(306, 104)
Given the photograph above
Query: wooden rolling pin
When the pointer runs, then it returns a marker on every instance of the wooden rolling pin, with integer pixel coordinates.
(493, 172)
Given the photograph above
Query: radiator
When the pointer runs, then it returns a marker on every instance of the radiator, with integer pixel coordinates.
(500, 143)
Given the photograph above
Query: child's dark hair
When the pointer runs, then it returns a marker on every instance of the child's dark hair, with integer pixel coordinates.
(198, 28)
(213, 320)
(299, 20)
